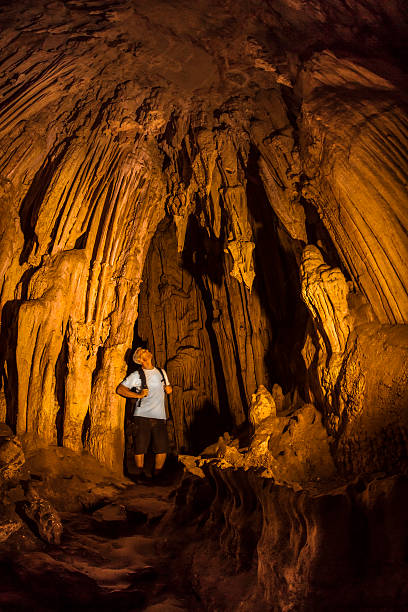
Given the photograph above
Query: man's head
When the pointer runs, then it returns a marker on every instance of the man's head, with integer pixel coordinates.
(140, 355)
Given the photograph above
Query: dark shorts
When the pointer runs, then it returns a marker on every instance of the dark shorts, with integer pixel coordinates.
(144, 431)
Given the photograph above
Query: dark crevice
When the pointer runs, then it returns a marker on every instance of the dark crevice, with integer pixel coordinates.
(80, 242)
(25, 281)
(8, 363)
(277, 283)
(240, 378)
(86, 425)
(293, 109)
(203, 258)
(61, 370)
(318, 235)
(98, 365)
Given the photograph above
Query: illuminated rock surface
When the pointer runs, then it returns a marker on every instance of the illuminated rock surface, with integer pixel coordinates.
(228, 182)
(244, 132)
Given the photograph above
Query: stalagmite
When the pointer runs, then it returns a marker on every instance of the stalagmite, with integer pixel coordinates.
(325, 290)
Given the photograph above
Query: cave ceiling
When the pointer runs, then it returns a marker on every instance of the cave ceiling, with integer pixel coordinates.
(116, 114)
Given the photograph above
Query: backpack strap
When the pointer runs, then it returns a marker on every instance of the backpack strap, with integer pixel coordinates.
(142, 378)
(143, 382)
(162, 375)
(165, 383)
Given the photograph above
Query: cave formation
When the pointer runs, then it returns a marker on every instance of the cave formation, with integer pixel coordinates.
(226, 182)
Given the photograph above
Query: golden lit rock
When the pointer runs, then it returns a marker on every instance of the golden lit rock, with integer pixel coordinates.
(324, 291)
(226, 183)
(262, 407)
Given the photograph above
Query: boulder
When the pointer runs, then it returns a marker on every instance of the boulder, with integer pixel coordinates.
(44, 515)
(292, 449)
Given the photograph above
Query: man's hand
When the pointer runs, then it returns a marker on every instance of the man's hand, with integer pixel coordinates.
(125, 392)
(168, 389)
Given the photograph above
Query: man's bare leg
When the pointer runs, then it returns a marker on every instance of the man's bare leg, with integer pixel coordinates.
(139, 460)
(159, 460)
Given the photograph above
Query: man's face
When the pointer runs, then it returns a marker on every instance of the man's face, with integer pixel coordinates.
(143, 355)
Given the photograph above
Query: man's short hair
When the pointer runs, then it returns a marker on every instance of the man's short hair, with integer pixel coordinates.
(136, 354)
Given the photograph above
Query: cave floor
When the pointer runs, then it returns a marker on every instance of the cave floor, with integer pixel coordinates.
(117, 556)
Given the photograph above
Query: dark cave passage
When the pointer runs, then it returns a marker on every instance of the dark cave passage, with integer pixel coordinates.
(217, 340)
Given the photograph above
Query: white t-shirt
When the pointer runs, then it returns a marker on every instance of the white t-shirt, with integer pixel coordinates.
(152, 405)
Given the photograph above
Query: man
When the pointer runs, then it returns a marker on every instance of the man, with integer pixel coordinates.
(150, 412)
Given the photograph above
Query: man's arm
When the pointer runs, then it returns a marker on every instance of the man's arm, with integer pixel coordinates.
(125, 392)
(167, 386)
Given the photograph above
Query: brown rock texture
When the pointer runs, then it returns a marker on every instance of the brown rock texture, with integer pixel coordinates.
(261, 131)
(12, 458)
(45, 517)
(292, 449)
(19, 498)
(274, 547)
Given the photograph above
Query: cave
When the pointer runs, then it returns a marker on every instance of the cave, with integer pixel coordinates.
(223, 184)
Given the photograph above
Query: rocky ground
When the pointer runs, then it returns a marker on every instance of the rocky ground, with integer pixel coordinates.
(113, 556)
(238, 529)
(75, 536)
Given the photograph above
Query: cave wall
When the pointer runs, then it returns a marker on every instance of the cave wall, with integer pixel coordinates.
(274, 547)
(112, 118)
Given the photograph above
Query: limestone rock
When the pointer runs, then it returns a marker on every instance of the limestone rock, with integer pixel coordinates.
(258, 454)
(8, 527)
(262, 407)
(324, 290)
(10, 521)
(269, 533)
(44, 515)
(278, 397)
(12, 458)
(191, 466)
(279, 164)
(72, 481)
(218, 447)
(301, 448)
(229, 455)
(292, 449)
(354, 178)
(287, 135)
(240, 244)
(373, 400)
